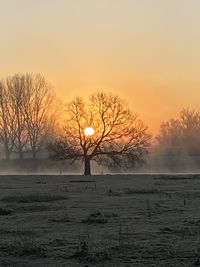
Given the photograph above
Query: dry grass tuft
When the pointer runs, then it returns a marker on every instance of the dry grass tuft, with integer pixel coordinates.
(96, 218)
(5, 212)
(23, 245)
(130, 191)
(33, 198)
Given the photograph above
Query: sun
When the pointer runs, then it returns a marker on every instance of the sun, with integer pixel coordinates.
(89, 131)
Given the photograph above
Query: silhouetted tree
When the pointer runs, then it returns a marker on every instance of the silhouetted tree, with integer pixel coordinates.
(181, 134)
(190, 121)
(37, 109)
(118, 133)
(7, 121)
(170, 135)
(16, 90)
(180, 138)
(26, 113)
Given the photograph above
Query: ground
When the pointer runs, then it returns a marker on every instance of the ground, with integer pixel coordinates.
(110, 220)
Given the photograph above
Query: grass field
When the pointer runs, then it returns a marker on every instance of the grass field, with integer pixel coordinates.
(111, 220)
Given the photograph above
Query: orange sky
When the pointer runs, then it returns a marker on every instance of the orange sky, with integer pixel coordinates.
(145, 51)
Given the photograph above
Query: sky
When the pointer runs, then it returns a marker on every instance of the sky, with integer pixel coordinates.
(146, 51)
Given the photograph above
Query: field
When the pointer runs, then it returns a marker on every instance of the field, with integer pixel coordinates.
(111, 220)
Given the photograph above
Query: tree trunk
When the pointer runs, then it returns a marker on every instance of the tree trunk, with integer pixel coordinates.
(20, 154)
(87, 166)
(34, 154)
(7, 155)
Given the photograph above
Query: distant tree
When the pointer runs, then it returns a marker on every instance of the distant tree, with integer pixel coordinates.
(37, 109)
(7, 121)
(26, 113)
(16, 91)
(119, 136)
(169, 137)
(181, 135)
(190, 121)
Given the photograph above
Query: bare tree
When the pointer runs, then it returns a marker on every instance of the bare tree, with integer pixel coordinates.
(26, 113)
(16, 90)
(118, 133)
(178, 143)
(181, 134)
(7, 121)
(169, 137)
(37, 109)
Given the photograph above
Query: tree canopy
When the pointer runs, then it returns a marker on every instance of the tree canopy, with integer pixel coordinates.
(119, 137)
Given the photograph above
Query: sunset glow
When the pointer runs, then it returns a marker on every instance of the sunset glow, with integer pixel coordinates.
(100, 132)
(145, 51)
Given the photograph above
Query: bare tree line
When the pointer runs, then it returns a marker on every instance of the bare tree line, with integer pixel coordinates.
(30, 124)
(26, 103)
(177, 146)
(182, 134)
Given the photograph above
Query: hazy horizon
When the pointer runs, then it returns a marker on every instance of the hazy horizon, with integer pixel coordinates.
(145, 51)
